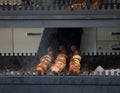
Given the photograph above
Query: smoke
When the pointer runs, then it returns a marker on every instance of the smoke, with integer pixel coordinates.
(54, 37)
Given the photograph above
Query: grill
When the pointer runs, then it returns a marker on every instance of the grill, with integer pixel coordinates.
(44, 13)
(100, 67)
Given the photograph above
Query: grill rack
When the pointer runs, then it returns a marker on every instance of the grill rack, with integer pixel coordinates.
(54, 14)
(55, 5)
(28, 15)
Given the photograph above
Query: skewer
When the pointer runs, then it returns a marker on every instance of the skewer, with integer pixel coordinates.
(45, 62)
(74, 65)
(60, 62)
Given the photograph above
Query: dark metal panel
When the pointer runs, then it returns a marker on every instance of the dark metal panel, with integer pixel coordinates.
(58, 89)
(59, 17)
(59, 84)
(60, 14)
(59, 23)
(60, 80)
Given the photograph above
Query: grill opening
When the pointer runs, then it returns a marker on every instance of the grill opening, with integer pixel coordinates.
(88, 24)
(99, 48)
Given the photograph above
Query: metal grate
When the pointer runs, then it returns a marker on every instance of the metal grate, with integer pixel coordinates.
(55, 4)
(58, 13)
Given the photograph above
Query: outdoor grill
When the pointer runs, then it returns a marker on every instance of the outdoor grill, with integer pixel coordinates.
(98, 41)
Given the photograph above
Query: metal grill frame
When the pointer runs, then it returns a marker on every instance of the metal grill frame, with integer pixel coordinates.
(57, 16)
(64, 84)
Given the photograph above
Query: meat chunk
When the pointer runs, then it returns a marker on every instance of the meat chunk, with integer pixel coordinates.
(95, 3)
(60, 61)
(45, 62)
(77, 4)
(74, 66)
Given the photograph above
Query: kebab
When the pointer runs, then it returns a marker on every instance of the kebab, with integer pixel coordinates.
(60, 61)
(78, 4)
(74, 66)
(45, 62)
(95, 3)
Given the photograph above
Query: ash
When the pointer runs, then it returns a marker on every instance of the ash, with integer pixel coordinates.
(18, 65)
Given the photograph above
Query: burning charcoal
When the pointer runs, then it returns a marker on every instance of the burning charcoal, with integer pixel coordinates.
(7, 73)
(99, 68)
(62, 74)
(18, 73)
(103, 73)
(67, 73)
(59, 74)
(22, 73)
(29, 73)
(115, 73)
(112, 72)
(40, 74)
(25, 73)
(98, 71)
(85, 73)
(107, 72)
(12, 73)
(55, 74)
(1, 73)
(91, 73)
(118, 72)
(50, 73)
(7, 70)
(34, 73)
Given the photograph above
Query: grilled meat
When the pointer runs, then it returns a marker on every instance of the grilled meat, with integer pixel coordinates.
(45, 62)
(60, 61)
(74, 66)
(78, 4)
(95, 3)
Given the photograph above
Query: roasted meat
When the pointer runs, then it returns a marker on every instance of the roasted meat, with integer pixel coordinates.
(95, 3)
(60, 61)
(77, 4)
(74, 66)
(45, 62)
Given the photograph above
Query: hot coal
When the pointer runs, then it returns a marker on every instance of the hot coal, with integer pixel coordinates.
(90, 65)
(17, 65)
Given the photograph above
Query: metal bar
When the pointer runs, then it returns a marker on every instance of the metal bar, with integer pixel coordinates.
(44, 14)
(59, 23)
(61, 80)
(58, 89)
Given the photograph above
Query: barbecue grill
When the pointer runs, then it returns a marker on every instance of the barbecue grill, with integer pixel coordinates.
(100, 46)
